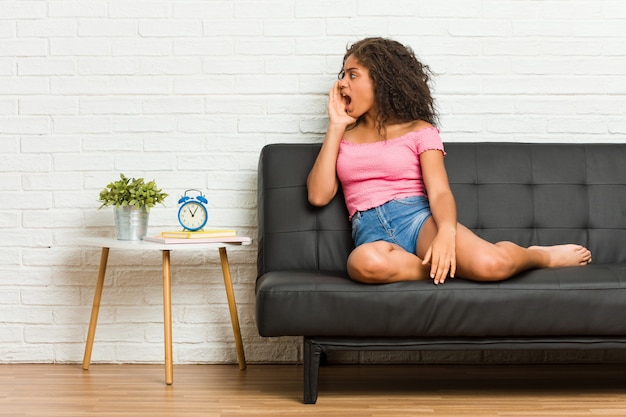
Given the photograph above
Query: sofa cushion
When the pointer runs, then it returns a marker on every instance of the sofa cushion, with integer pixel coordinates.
(582, 301)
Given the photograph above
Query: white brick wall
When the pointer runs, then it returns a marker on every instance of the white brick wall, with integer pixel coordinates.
(187, 93)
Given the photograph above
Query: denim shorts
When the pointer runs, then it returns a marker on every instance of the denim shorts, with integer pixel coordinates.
(396, 221)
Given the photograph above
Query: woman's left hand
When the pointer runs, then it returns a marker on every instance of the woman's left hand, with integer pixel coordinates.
(441, 256)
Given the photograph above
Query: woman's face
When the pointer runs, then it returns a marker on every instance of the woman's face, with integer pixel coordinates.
(357, 88)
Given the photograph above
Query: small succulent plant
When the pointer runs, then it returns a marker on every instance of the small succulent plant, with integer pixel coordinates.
(131, 192)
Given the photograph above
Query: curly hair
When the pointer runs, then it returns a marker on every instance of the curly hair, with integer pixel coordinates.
(401, 90)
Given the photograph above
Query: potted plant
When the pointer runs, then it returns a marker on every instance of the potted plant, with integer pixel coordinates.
(133, 198)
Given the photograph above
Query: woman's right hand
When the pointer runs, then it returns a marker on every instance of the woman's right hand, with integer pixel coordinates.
(337, 107)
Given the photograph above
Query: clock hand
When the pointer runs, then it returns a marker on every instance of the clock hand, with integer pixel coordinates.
(194, 212)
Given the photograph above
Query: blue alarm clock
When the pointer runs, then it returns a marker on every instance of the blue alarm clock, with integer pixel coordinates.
(193, 214)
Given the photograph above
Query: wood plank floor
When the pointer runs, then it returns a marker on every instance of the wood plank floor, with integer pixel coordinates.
(345, 391)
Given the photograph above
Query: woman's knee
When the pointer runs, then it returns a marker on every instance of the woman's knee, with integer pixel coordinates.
(368, 263)
(495, 266)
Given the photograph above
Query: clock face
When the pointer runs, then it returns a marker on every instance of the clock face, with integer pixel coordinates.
(192, 215)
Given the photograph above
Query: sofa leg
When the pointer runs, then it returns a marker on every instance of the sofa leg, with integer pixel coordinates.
(312, 355)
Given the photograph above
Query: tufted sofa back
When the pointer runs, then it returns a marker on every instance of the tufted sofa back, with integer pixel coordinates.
(531, 194)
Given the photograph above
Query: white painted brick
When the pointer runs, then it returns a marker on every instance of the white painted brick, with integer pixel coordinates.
(426, 27)
(170, 105)
(44, 182)
(24, 125)
(142, 124)
(111, 143)
(140, 9)
(357, 27)
(481, 28)
(7, 67)
(10, 182)
(81, 124)
(294, 28)
(235, 105)
(8, 30)
(77, 8)
(296, 65)
(9, 296)
(266, 84)
(297, 105)
(109, 105)
(264, 9)
(533, 27)
(229, 65)
(265, 47)
(274, 125)
(614, 85)
(47, 28)
(325, 8)
(234, 28)
(82, 162)
(108, 66)
(140, 47)
(516, 125)
(10, 10)
(80, 47)
(11, 334)
(204, 85)
(48, 105)
(26, 163)
(617, 126)
(170, 28)
(203, 47)
(68, 218)
(8, 106)
(567, 48)
(541, 66)
(107, 28)
(47, 66)
(203, 10)
(23, 48)
(178, 66)
(49, 257)
(582, 10)
(450, 8)
(577, 125)
(393, 8)
(147, 162)
(209, 123)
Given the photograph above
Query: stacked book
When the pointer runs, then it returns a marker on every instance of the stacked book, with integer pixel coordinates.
(200, 236)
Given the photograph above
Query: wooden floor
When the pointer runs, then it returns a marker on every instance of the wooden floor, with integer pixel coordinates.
(345, 391)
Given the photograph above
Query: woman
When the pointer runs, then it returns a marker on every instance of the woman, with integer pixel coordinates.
(382, 144)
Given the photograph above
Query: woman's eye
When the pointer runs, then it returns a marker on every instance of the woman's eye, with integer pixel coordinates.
(341, 75)
(352, 76)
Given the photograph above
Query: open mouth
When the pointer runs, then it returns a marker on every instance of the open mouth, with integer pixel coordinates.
(347, 99)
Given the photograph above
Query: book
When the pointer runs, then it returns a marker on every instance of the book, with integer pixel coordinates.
(200, 234)
(170, 240)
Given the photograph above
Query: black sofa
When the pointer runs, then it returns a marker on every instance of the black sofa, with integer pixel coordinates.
(527, 193)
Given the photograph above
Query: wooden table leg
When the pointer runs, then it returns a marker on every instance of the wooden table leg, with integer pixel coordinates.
(232, 306)
(95, 309)
(167, 317)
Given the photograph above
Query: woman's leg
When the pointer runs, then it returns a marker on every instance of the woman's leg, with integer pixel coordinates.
(383, 262)
(480, 260)
(476, 259)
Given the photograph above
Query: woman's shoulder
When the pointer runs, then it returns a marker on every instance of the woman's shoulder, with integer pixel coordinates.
(361, 135)
(417, 127)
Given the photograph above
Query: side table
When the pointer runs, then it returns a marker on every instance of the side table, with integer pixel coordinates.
(111, 243)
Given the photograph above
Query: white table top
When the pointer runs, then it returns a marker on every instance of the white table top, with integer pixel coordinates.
(109, 242)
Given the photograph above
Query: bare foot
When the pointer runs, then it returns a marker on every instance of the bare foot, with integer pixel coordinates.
(565, 255)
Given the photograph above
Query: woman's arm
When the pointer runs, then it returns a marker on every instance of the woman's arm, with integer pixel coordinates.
(322, 183)
(442, 251)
